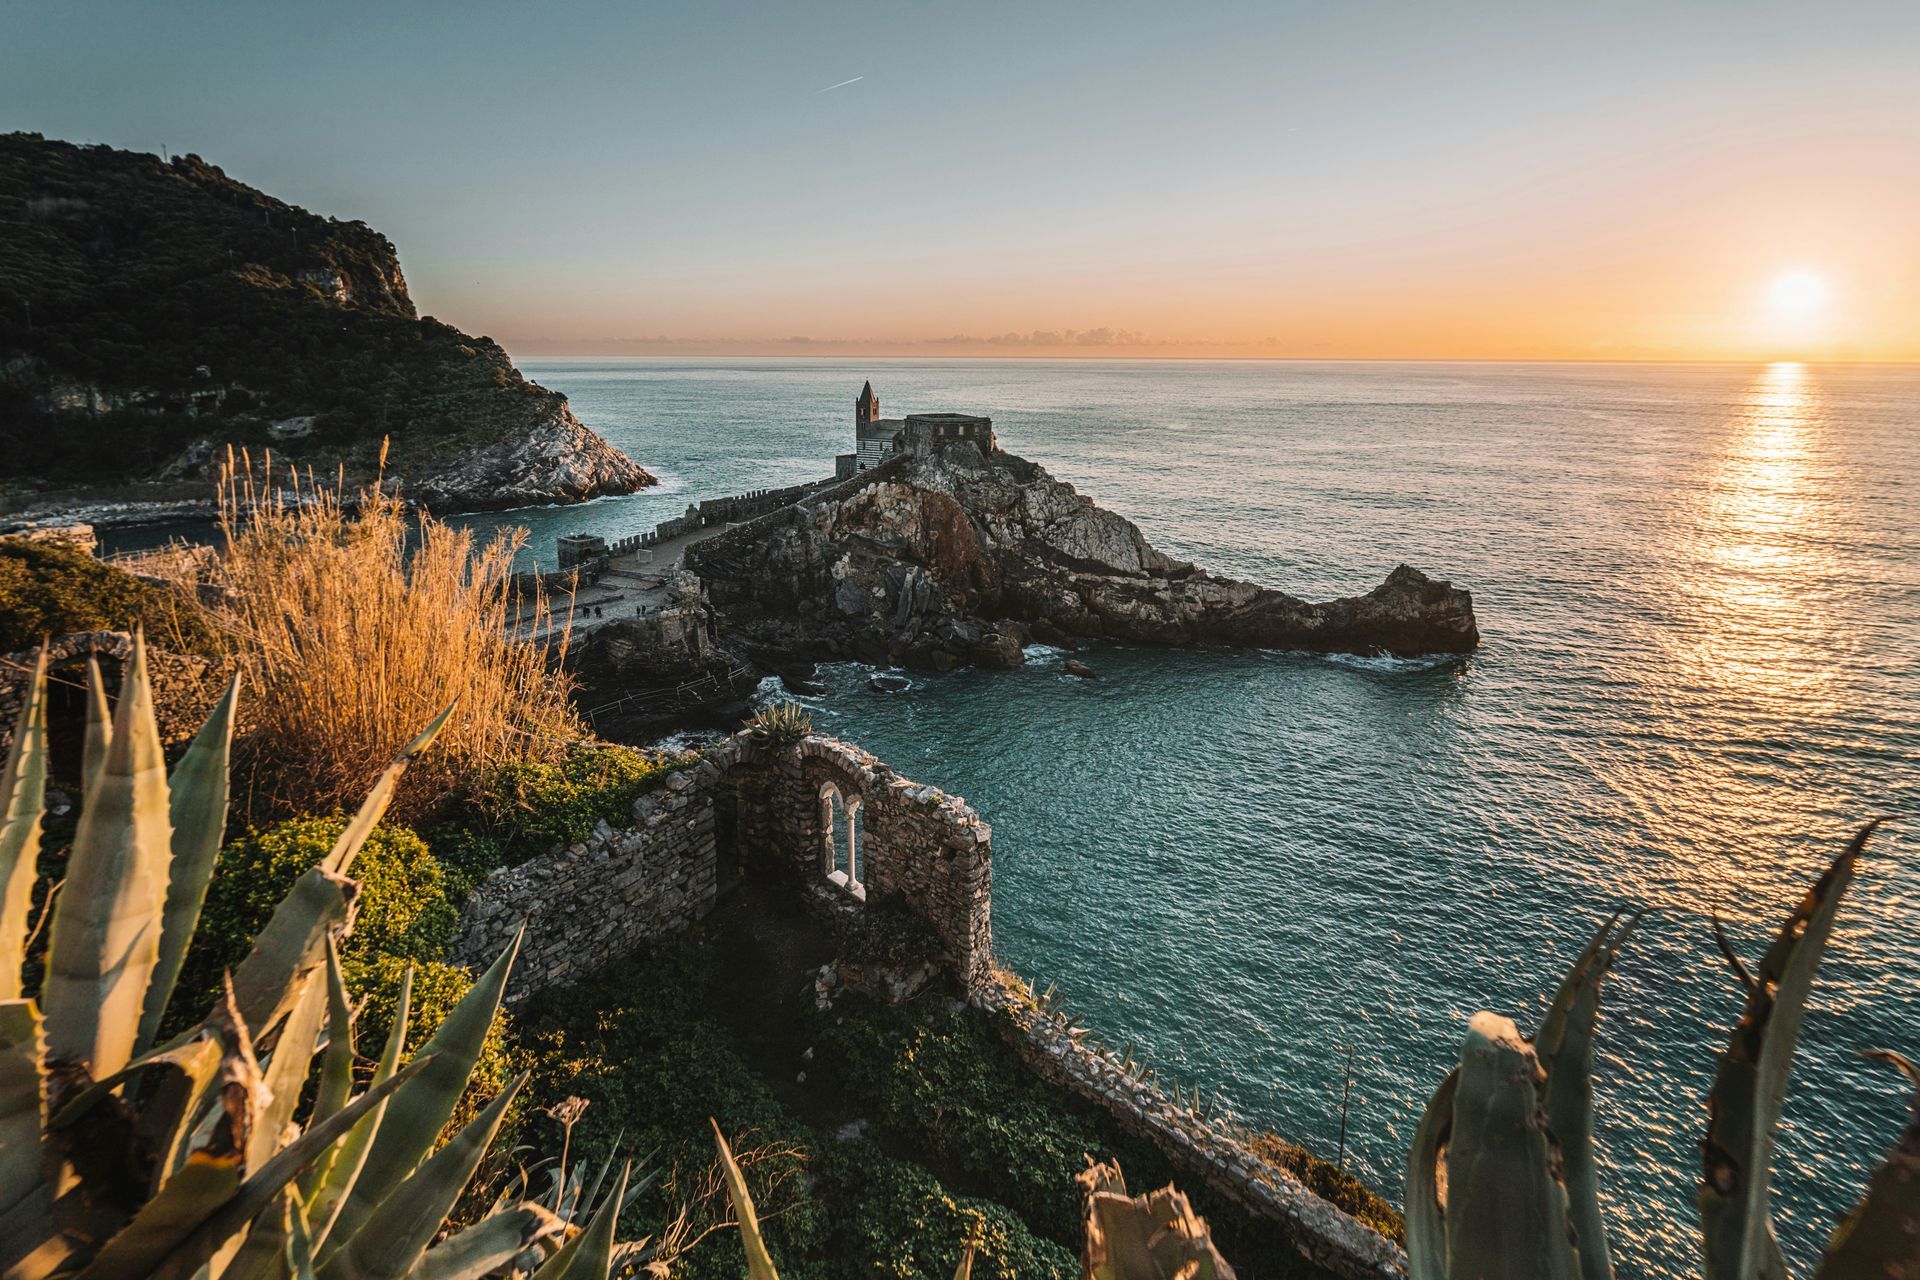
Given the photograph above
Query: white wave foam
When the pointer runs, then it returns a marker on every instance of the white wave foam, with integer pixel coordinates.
(1387, 662)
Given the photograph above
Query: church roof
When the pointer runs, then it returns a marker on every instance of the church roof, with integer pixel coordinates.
(866, 394)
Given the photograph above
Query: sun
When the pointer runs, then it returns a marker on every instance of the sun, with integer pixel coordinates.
(1797, 295)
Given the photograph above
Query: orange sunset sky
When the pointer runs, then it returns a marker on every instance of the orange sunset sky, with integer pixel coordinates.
(1627, 181)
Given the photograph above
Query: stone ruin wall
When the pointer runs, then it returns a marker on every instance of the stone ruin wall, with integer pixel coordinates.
(622, 888)
(185, 687)
(602, 899)
(608, 896)
(1208, 1150)
(919, 844)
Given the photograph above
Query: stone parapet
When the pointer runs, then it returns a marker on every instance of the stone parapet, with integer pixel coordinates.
(1198, 1147)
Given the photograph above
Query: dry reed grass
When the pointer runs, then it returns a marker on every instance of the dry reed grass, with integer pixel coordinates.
(356, 622)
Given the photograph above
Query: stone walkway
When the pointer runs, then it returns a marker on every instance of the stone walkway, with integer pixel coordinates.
(633, 583)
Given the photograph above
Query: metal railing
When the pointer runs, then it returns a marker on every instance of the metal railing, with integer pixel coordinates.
(701, 686)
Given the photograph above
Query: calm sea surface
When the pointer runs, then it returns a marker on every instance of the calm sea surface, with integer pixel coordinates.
(1699, 588)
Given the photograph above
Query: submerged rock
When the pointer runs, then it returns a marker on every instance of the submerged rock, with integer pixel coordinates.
(1075, 667)
(884, 683)
(959, 557)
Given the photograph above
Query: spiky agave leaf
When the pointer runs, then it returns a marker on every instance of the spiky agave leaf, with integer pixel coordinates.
(1149, 1237)
(759, 1262)
(214, 1168)
(99, 729)
(393, 1237)
(1506, 1208)
(26, 1193)
(23, 798)
(263, 1250)
(288, 1069)
(410, 1126)
(213, 1221)
(293, 946)
(1881, 1237)
(1426, 1211)
(1564, 1047)
(589, 1256)
(487, 1246)
(106, 924)
(336, 1062)
(197, 807)
(1751, 1085)
(299, 1250)
(334, 1174)
(167, 1109)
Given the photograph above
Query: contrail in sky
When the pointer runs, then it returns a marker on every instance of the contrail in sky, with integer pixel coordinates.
(843, 84)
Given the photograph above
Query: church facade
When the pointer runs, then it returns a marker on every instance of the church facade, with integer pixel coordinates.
(875, 439)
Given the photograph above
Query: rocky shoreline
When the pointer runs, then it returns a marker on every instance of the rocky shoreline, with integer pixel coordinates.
(195, 315)
(960, 558)
(558, 460)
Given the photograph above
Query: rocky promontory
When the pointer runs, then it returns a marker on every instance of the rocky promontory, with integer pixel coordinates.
(157, 311)
(959, 557)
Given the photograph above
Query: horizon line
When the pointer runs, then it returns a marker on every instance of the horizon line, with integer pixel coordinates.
(1246, 359)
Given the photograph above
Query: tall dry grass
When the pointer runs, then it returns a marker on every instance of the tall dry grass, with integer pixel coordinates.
(356, 622)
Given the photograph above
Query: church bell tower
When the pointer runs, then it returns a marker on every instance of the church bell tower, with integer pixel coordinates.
(867, 407)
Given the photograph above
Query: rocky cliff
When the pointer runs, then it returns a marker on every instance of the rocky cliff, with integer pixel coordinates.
(938, 561)
(153, 312)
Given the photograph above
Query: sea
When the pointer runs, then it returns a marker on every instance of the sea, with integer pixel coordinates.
(1698, 588)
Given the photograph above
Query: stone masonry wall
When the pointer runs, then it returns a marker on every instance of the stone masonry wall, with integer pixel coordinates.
(608, 896)
(604, 898)
(1200, 1148)
(184, 687)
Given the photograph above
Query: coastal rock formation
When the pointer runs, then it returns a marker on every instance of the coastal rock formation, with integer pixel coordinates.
(555, 458)
(159, 311)
(956, 557)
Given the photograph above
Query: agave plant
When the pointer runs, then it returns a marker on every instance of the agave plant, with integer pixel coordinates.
(124, 1156)
(1502, 1181)
(781, 724)
(1152, 1237)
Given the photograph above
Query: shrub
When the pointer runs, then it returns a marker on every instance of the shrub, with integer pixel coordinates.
(403, 907)
(520, 809)
(905, 1226)
(941, 1083)
(50, 589)
(1333, 1184)
(353, 624)
(638, 1042)
(403, 917)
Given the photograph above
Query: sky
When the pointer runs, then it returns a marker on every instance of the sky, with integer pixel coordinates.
(1313, 180)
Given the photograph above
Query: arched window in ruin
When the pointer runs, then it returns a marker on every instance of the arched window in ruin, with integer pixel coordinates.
(833, 817)
(856, 850)
(841, 854)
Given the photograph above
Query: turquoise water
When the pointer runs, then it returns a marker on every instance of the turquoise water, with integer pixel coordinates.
(1700, 592)
(1699, 588)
